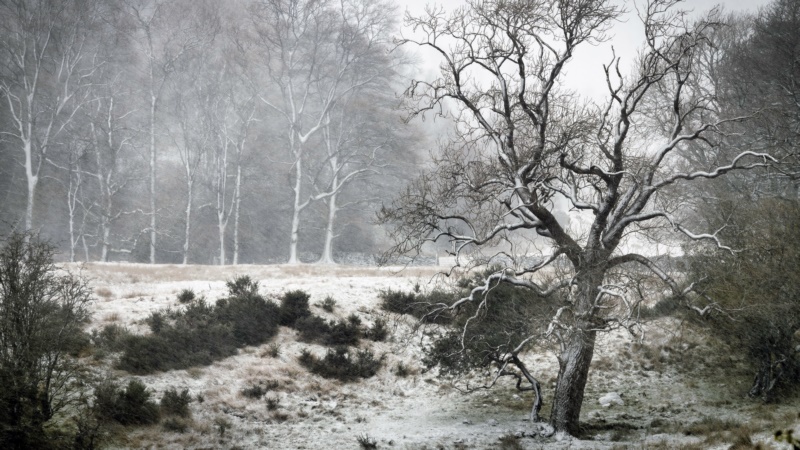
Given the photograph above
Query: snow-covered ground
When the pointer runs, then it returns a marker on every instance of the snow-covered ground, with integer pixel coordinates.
(669, 385)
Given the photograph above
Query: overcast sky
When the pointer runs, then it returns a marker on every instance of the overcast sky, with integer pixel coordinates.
(584, 74)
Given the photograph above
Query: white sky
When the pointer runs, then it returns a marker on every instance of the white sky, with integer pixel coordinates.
(584, 73)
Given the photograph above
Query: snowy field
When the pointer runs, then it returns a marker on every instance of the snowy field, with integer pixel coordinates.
(675, 389)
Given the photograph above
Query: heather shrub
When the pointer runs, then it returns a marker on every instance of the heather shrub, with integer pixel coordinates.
(378, 332)
(340, 364)
(186, 296)
(242, 286)
(201, 333)
(428, 307)
(294, 306)
(129, 406)
(175, 404)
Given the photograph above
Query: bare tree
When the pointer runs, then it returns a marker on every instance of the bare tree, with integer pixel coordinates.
(44, 73)
(525, 145)
(164, 33)
(232, 115)
(317, 53)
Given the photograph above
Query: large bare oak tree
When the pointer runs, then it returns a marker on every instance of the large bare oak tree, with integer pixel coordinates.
(524, 145)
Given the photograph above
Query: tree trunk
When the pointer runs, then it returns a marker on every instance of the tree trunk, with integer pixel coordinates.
(221, 226)
(152, 175)
(188, 229)
(576, 356)
(236, 214)
(573, 373)
(33, 181)
(295, 232)
(327, 249)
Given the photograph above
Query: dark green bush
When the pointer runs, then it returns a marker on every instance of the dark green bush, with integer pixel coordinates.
(398, 302)
(255, 391)
(156, 322)
(202, 334)
(294, 306)
(429, 308)
(338, 363)
(254, 319)
(312, 328)
(110, 337)
(242, 286)
(329, 304)
(509, 316)
(186, 296)
(175, 404)
(378, 332)
(129, 406)
(344, 332)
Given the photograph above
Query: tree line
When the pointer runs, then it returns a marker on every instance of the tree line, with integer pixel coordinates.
(177, 131)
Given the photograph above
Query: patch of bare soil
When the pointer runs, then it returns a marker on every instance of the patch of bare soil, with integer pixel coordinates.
(676, 388)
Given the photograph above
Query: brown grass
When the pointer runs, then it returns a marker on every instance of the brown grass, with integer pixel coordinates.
(104, 293)
(113, 317)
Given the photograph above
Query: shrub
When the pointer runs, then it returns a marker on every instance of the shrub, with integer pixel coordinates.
(274, 350)
(329, 304)
(110, 337)
(176, 424)
(344, 332)
(294, 306)
(186, 296)
(338, 363)
(429, 308)
(242, 286)
(378, 331)
(366, 442)
(253, 319)
(312, 328)
(202, 334)
(156, 322)
(175, 404)
(42, 312)
(398, 302)
(255, 392)
(131, 406)
(758, 288)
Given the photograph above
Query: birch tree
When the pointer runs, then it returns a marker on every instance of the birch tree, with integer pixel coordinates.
(524, 144)
(232, 116)
(43, 77)
(313, 51)
(164, 33)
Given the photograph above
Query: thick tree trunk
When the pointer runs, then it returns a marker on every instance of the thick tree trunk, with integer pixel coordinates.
(573, 373)
(33, 181)
(105, 230)
(576, 356)
(295, 231)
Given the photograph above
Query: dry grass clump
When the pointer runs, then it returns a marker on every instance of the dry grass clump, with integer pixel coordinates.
(104, 292)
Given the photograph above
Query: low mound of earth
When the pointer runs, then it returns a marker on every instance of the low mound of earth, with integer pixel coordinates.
(670, 388)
